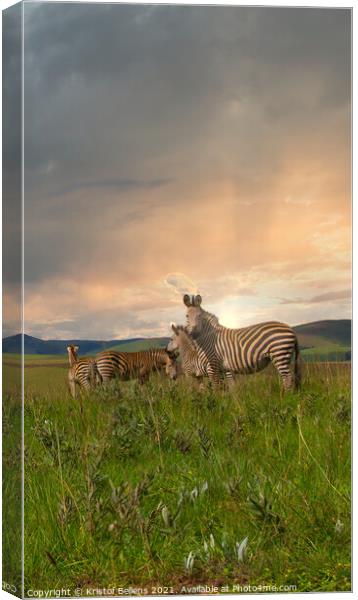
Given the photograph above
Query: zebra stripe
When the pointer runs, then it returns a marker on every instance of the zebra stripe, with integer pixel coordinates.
(129, 365)
(193, 359)
(246, 350)
(83, 371)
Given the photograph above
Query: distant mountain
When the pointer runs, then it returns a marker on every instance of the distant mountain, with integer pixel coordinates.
(330, 340)
(322, 332)
(33, 345)
(325, 340)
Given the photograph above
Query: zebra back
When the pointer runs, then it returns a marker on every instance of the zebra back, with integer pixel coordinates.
(127, 365)
(250, 349)
(150, 360)
(85, 372)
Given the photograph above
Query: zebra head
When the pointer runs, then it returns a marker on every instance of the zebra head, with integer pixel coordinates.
(72, 353)
(171, 367)
(173, 346)
(180, 341)
(194, 314)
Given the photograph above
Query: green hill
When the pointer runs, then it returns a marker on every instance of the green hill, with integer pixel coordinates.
(32, 345)
(138, 345)
(322, 332)
(328, 340)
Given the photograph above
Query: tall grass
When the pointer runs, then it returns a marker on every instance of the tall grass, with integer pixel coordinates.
(163, 485)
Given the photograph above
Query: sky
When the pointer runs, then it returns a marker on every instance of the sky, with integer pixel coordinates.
(185, 149)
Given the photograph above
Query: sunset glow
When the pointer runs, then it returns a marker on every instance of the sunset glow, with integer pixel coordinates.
(188, 149)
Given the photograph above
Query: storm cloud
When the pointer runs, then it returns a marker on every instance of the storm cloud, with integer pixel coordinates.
(207, 142)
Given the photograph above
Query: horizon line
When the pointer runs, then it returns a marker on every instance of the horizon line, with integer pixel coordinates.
(146, 337)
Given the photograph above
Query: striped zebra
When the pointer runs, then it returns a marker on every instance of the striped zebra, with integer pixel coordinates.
(245, 350)
(193, 359)
(83, 371)
(131, 365)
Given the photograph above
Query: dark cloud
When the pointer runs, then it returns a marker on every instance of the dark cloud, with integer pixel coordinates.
(138, 88)
(11, 173)
(136, 114)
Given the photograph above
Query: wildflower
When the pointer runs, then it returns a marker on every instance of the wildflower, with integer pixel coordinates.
(241, 549)
(189, 562)
(339, 526)
(166, 516)
(194, 494)
(204, 487)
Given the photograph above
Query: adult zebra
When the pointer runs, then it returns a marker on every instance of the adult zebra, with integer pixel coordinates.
(245, 350)
(129, 365)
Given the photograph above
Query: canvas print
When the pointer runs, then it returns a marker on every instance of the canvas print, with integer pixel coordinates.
(177, 299)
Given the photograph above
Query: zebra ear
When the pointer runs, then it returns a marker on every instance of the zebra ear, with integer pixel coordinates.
(197, 300)
(175, 329)
(76, 348)
(186, 299)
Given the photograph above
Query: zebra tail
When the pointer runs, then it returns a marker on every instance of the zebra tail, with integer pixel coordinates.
(298, 366)
(95, 376)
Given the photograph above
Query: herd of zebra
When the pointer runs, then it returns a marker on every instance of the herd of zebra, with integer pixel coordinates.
(204, 349)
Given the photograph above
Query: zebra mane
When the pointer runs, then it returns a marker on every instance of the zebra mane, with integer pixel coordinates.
(212, 319)
(189, 338)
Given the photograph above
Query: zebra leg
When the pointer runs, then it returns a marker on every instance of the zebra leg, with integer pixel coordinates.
(229, 377)
(214, 375)
(143, 375)
(94, 376)
(201, 384)
(282, 366)
(86, 385)
(72, 385)
(287, 380)
(99, 378)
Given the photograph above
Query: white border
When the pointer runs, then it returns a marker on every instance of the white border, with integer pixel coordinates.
(273, 3)
(289, 3)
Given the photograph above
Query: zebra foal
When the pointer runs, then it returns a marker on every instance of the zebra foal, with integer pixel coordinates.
(130, 365)
(246, 350)
(193, 360)
(83, 371)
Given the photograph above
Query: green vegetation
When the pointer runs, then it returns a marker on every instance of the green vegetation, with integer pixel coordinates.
(320, 333)
(325, 340)
(10, 359)
(139, 345)
(11, 480)
(160, 484)
(327, 353)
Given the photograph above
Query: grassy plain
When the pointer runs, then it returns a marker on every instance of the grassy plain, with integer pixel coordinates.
(158, 485)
